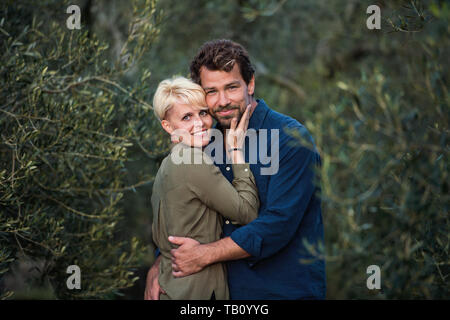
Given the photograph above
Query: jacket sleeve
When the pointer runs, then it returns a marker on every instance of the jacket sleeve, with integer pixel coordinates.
(238, 201)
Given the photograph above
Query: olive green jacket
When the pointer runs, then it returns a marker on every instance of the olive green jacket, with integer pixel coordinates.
(187, 200)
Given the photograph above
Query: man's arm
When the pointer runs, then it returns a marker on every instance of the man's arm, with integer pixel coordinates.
(191, 256)
(289, 195)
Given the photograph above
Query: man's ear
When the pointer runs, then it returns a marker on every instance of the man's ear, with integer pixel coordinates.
(166, 126)
(251, 86)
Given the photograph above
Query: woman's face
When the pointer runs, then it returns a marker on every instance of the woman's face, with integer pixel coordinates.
(189, 123)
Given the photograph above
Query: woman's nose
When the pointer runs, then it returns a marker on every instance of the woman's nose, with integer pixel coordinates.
(198, 122)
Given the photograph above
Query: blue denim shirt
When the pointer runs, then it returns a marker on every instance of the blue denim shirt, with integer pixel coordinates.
(289, 218)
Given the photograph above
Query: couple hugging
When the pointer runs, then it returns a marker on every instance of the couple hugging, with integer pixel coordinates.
(223, 228)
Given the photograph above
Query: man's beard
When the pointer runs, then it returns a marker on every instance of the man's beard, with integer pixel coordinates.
(225, 121)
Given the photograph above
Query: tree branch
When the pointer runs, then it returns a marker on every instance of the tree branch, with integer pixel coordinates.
(281, 81)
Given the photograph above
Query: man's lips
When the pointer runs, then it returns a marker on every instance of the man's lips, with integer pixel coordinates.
(225, 112)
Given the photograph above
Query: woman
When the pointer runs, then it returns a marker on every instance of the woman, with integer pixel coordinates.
(188, 199)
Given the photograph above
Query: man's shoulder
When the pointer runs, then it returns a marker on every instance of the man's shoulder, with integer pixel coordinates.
(278, 120)
(290, 128)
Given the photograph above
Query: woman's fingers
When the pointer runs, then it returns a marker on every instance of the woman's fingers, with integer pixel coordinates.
(247, 117)
(231, 132)
(233, 124)
(236, 133)
(243, 124)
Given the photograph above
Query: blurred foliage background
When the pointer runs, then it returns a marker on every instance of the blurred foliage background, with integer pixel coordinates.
(80, 144)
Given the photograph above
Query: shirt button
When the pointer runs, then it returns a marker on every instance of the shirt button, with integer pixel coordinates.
(228, 168)
(245, 169)
(227, 221)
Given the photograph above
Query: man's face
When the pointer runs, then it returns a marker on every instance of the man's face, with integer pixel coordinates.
(227, 94)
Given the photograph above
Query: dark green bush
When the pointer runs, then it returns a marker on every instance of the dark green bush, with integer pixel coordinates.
(68, 125)
(79, 144)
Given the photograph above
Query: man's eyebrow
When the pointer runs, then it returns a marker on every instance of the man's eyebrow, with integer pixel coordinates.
(227, 85)
(233, 83)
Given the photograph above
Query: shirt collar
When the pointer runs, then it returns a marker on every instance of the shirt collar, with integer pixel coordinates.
(259, 114)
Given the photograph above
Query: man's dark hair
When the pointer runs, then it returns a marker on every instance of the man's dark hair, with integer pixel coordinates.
(221, 55)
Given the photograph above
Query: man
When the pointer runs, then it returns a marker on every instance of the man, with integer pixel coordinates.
(266, 258)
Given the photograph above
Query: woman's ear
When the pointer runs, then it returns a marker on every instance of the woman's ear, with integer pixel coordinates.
(166, 126)
(251, 86)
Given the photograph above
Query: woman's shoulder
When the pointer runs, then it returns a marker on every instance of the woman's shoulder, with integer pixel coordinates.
(188, 161)
(182, 155)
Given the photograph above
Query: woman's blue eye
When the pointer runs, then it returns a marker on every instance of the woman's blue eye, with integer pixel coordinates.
(186, 118)
(203, 113)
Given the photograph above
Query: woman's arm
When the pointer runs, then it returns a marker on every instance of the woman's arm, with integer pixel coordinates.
(152, 288)
(237, 201)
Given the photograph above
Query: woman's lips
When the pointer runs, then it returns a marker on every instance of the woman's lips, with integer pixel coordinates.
(201, 133)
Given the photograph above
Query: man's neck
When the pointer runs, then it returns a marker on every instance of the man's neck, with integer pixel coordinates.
(254, 104)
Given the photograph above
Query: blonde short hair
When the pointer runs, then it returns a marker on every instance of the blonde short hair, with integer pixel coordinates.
(177, 89)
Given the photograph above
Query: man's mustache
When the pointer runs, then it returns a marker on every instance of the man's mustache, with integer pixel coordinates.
(220, 109)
